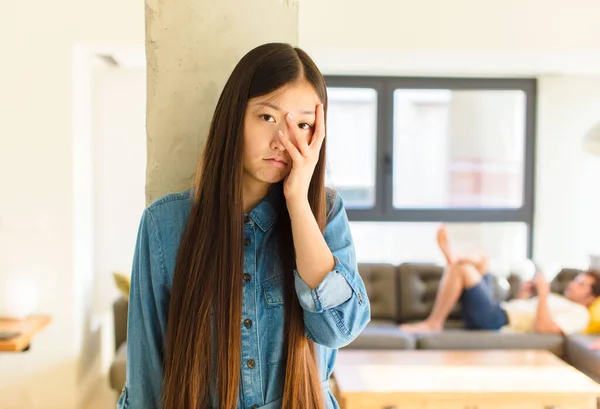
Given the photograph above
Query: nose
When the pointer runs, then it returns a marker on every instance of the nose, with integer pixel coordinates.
(276, 143)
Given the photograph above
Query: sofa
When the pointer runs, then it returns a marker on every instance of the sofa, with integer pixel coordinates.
(405, 293)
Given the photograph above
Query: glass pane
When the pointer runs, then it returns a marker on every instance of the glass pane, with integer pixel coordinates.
(458, 148)
(391, 242)
(351, 144)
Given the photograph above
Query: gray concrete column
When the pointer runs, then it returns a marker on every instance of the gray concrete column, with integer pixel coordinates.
(191, 48)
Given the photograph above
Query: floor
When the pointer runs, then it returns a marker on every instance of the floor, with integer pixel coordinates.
(104, 398)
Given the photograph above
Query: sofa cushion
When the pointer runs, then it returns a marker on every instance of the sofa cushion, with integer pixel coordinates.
(120, 309)
(418, 284)
(467, 339)
(382, 335)
(582, 357)
(118, 369)
(382, 289)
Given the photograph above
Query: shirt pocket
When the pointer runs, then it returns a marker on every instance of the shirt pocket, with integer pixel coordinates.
(123, 402)
(274, 313)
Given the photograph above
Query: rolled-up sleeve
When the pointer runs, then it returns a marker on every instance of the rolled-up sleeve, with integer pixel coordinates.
(338, 309)
(147, 321)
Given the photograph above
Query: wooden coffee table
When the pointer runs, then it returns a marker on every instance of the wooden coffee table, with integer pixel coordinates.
(27, 329)
(515, 379)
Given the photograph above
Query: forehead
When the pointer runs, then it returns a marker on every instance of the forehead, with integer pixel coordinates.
(297, 96)
(585, 279)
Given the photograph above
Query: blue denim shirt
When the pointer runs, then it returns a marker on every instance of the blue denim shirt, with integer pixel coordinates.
(334, 313)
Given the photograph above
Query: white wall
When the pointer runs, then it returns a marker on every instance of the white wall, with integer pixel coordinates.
(36, 173)
(567, 219)
(119, 107)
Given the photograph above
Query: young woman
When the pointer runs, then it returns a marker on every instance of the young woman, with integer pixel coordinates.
(244, 287)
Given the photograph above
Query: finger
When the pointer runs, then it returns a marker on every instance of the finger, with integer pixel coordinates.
(319, 134)
(299, 140)
(290, 147)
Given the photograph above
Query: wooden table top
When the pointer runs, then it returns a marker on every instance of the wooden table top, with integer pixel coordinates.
(28, 328)
(437, 371)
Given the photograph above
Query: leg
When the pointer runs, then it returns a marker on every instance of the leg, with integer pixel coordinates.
(443, 242)
(456, 278)
(479, 260)
(480, 309)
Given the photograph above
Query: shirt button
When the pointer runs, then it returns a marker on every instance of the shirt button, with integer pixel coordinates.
(248, 323)
(247, 277)
(246, 241)
(251, 363)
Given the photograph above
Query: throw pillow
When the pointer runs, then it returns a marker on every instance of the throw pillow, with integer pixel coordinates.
(123, 282)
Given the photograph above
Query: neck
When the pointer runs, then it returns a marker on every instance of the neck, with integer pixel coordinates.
(253, 193)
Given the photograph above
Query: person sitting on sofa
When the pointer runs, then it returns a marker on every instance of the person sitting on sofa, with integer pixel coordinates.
(466, 279)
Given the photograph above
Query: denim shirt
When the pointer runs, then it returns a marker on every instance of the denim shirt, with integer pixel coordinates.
(334, 313)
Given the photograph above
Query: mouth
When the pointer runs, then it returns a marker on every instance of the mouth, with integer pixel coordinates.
(277, 162)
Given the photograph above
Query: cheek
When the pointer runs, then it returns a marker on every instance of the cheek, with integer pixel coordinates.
(255, 142)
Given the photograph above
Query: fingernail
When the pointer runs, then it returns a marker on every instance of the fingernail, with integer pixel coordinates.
(290, 115)
(280, 133)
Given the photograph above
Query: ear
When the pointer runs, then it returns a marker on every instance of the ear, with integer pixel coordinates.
(590, 299)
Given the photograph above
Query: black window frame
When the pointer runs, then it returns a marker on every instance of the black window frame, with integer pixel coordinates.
(384, 211)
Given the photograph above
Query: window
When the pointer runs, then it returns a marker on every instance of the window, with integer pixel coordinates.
(408, 153)
(352, 114)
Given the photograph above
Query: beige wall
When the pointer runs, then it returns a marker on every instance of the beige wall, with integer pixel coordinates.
(37, 181)
(465, 37)
(431, 25)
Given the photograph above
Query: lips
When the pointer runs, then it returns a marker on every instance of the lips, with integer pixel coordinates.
(278, 162)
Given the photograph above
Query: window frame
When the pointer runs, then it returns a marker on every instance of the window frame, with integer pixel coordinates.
(384, 210)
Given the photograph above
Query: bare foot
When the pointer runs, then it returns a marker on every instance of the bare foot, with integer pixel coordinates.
(423, 327)
(444, 243)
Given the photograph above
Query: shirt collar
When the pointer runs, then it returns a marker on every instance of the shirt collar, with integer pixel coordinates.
(265, 213)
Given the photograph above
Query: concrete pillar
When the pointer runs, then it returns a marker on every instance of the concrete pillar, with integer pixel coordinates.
(191, 48)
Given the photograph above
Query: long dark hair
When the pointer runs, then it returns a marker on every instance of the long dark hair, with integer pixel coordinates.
(209, 267)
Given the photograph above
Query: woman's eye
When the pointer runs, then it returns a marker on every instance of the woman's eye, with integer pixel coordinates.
(267, 118)
(305, 126)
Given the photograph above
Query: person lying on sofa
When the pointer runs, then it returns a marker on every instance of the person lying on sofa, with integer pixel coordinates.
(466, 279)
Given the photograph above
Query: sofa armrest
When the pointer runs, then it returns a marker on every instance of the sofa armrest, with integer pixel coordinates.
(120, 307)
(383, 335)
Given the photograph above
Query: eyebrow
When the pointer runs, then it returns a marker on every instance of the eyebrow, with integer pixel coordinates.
(276, 108)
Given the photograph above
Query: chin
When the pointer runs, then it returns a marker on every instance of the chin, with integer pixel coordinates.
(270, 177)
(272, 181)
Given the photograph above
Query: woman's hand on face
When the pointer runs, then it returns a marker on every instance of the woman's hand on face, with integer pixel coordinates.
(304, 155)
